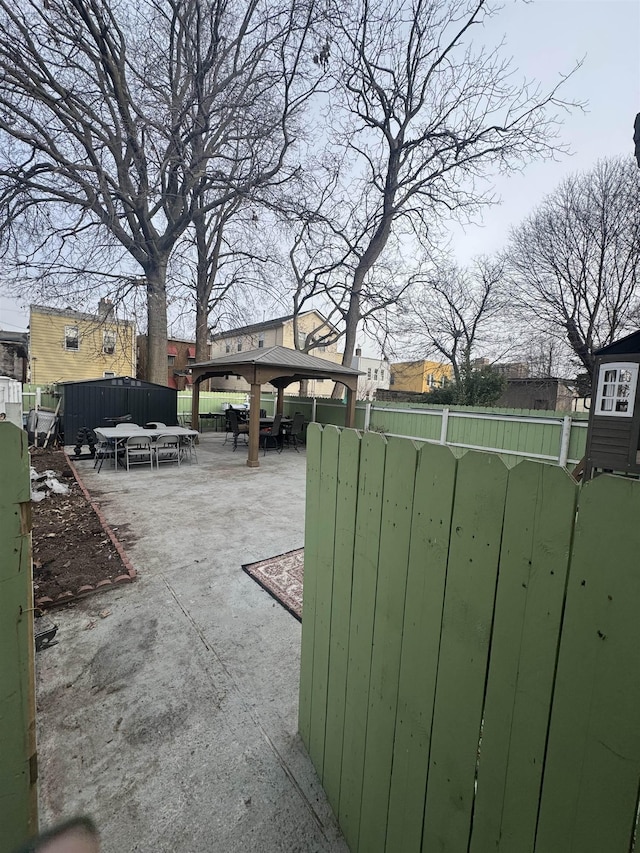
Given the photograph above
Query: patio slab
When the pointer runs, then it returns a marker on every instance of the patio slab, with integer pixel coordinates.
(172, 721)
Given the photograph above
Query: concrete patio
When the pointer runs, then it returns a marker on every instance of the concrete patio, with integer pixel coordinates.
(172, 721)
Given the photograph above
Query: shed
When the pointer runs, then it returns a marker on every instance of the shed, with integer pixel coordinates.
(613, 438)
(94, 402)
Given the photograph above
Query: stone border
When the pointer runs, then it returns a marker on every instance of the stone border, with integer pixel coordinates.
(45, 602)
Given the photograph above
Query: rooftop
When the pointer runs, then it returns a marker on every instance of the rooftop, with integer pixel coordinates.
(71, 313)
(259, 327)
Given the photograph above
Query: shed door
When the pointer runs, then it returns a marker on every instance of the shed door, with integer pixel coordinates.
(616, 389)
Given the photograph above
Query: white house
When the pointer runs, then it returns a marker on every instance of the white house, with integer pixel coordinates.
(376, 375)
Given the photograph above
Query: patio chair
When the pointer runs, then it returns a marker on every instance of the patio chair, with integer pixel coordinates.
(167, 449)
(295, 435)
(272, 434)
(236, 427)
(188, 447)
(105, 449)
(138, 450)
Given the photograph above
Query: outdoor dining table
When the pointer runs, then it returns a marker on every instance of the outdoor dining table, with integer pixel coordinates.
(120, 434)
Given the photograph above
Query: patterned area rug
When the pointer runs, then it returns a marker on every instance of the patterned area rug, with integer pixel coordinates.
(281, 576)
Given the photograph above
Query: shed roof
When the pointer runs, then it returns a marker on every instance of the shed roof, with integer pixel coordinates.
(115, 380)
(628, 344)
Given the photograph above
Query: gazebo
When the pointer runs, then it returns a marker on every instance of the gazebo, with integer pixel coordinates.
(280, 367)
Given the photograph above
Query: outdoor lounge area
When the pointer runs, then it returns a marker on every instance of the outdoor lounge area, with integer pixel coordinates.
(172, 721)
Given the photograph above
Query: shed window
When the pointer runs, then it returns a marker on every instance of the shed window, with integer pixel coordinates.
(617, 389)
(109, 342)
(71, 338)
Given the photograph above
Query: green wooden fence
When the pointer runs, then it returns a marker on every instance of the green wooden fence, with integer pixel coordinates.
(470, 675)
(18, 812)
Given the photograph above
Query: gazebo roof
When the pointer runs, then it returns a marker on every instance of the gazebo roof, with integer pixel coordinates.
(285, 361)
(279, 366)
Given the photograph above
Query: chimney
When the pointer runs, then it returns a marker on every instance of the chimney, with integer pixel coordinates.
(105, 310)
(358, 353)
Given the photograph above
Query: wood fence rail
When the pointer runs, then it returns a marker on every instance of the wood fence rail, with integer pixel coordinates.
(470, 673)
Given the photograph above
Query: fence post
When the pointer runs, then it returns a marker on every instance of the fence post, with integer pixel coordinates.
(18, 767)
(313, 410)
(564, 441)
(38, 398)
(444, 426)
(367, 415)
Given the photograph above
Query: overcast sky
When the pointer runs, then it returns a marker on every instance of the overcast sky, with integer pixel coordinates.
(546, 39)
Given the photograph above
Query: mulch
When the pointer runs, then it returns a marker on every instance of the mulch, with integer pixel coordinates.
(281, 577)
(74, 553)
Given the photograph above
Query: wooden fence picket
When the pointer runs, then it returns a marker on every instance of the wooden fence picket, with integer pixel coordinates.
(476, 530)
(325, 531)
(429, 548)
(365, 570)
(395, 536)
(534, 558)
(18, 759)
(311, 540)
(346, 503)
(590, 783)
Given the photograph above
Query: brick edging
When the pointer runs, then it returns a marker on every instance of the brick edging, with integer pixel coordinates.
(87, 589)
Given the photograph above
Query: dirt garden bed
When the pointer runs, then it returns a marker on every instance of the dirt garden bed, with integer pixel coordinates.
(73, 553)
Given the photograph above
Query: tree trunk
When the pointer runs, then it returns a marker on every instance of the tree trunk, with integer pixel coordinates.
(371, 254)
(157, 370)
(202, 328)
(580, 347)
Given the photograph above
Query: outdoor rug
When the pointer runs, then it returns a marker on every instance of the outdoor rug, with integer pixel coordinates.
(281, 576)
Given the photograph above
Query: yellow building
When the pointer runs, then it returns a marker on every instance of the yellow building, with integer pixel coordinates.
(419, 376)
(67, 345)
(312, 326)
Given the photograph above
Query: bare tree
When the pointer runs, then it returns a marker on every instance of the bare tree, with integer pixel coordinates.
(453, 315)
(425, 117)
(574, 263)
(125, 116)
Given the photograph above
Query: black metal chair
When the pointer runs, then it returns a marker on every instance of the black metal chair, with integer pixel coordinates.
(272, 433)
(236, 427)
(104, 450)
(295, 435)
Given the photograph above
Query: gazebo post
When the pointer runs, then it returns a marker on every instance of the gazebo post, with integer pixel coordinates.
(195, 405)
(280, 401)
(254, 426)
(350, 414)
